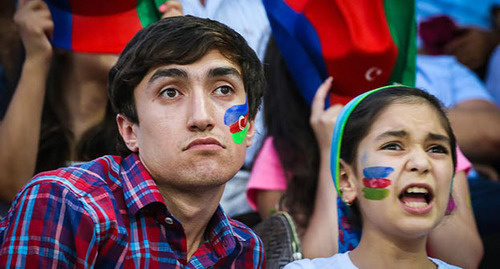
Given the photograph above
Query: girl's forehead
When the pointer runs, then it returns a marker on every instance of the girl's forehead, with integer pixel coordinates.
(409, 117)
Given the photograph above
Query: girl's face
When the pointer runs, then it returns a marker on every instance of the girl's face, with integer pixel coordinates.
(404, 171)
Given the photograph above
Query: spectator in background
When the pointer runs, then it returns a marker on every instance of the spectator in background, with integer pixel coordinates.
(186, 91)
(59, 113)
(10, 55)
(49, 120)
(493, 74)
(467, 31)
(472, 36)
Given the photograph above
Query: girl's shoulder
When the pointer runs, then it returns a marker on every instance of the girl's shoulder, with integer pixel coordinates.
(339, 260)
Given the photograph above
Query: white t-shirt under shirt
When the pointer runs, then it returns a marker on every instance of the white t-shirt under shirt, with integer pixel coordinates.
(342, 260)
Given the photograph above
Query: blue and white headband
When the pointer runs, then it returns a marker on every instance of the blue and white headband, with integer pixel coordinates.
(338, 132)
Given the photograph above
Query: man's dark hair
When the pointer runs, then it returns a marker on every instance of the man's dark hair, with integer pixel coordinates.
(180, 40)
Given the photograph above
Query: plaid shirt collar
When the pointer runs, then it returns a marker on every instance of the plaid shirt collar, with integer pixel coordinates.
(140, 190)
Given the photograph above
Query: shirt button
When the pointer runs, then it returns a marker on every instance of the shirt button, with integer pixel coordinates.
(169, 220)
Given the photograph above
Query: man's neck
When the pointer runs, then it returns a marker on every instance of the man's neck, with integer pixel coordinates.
(194, 210)
(390, 251)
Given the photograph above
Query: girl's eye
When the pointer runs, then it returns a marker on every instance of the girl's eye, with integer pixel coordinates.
(438, 149)
(392, 146)
(170, 93)
(224, 90)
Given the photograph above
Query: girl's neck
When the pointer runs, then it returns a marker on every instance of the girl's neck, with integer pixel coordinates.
(379, 250)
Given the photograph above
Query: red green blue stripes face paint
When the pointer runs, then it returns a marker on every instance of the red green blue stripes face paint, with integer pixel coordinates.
(236, 118)
(375, 182)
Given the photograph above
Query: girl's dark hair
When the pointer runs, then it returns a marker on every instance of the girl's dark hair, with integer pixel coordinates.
(56, 138)
(286, 115)
(367, 111)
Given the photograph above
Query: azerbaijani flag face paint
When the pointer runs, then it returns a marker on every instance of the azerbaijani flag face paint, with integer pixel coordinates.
(236, 118)
(375, 182)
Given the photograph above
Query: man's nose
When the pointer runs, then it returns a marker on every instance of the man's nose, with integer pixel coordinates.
(201, 116)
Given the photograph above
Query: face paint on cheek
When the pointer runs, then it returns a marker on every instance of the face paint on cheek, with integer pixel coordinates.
(376, 183)
(363, 159)
(236, 118)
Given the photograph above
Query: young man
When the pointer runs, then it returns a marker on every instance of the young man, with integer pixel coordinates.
(186, 91)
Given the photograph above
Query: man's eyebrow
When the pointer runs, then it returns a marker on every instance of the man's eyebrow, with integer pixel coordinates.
(438, 137)
(392, 134)
(168, 72)
(224, 71)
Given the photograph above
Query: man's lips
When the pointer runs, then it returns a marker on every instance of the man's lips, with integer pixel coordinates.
(204, 143)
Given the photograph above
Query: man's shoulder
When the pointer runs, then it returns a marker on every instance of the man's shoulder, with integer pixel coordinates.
(84, 177)
(87, 187)
(251, 246)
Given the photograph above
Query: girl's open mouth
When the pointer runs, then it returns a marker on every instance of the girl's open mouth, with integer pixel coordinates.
(417, 198)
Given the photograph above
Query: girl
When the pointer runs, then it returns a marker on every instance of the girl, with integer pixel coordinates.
(393, 159)
(292, 173)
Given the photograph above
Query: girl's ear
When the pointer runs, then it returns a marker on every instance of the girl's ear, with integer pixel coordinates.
(347, 182)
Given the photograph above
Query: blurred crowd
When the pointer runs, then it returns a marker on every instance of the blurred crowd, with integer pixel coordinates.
(317, 56)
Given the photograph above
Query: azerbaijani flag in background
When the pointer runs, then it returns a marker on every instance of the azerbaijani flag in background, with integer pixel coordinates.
(100, 26)
(362, 44)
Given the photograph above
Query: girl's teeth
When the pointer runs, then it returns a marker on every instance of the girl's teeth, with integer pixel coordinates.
(416, 190)
(415, 204)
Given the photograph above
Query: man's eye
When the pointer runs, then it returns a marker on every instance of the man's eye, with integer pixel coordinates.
(438, 149)
(170, 93)
(392, 146)
(224, 90)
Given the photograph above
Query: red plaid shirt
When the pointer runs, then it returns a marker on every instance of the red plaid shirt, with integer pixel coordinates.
(109, 213)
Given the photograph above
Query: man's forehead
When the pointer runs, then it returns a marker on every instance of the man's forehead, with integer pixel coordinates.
(212, 64)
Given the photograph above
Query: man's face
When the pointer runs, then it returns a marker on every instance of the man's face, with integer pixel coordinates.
(182, 137)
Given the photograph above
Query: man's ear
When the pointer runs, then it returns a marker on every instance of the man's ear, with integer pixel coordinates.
(128, 131)
(250, 133)
(347, 182)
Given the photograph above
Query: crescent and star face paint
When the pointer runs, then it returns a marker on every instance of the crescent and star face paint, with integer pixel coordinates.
(236, 118)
